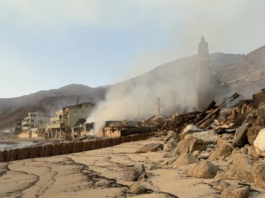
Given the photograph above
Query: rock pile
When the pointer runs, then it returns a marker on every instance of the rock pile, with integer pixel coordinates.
(220, 143)
(239, 147)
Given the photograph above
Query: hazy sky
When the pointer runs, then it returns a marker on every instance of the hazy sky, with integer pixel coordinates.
(48, 44)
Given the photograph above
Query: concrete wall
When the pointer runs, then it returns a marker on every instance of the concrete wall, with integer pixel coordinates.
(41, 135)
(34, 134)
(76, 113)
(34, 119)
(112, 132)
(23, 135)
(66, 148)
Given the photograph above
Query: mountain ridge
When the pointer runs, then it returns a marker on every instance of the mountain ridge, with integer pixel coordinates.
(15, 108)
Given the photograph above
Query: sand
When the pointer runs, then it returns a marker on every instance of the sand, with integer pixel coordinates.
(100, 174)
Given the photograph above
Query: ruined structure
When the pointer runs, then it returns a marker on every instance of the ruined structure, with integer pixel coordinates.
(204, 92)
(122, 128)
(73, 116)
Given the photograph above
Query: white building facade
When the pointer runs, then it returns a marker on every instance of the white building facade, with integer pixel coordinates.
(33, 120)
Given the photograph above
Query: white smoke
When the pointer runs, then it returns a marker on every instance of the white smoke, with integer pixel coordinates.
(174, 84)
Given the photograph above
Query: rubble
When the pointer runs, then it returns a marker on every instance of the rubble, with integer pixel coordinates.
(184, 160)
(204, 169)
(204, 156)
(253, 133)
(188, 130)
(207, 137)
(259, 174)
(150, 148)
(236, 192)
(224, 149)
(233, 135)
(137, 188)
(240, 138)
(240, 168)
(221, 185)
(189, 145)
(171, 145)
(259, 143)
(171, 134)
(131, 175)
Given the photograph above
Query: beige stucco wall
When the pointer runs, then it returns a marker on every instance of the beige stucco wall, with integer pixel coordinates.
(34, 134)
(23, 135)
(110, 132)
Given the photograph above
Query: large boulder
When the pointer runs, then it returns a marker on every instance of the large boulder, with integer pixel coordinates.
(236, 192)
(204, 169)
(137, 188)
(184, 160)
(189, 129)
(207, 136)
(240, 138)
(253, 133)
(171, 145)
(131, 175)
(221, 185)
(224, 149)
(259, 143)
(258, 171)
(150, 148)
(240, 168)
(189, 145)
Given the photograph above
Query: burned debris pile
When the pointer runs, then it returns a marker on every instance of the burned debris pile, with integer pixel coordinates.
(221, 118)
(224, 143)
(229, 134)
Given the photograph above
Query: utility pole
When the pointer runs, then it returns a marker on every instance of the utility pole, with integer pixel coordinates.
(158, 105)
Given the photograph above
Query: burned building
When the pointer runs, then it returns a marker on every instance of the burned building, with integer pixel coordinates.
(122, 128)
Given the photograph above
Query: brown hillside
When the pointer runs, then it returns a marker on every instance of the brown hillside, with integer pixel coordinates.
(247, 75)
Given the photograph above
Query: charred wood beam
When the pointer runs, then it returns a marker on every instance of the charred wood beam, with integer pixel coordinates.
(211, 106)
(236, 95)
(149, 119)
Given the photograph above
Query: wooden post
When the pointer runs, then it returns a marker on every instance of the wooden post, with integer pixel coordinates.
(42, 151)
(62, 148)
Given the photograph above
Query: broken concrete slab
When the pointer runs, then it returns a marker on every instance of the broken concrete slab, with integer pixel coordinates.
(207, 136)
(190, 129)
(236, 192)
(240, 138)
(189, 145)
(150, 148)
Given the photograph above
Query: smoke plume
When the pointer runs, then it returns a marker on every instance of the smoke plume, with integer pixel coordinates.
(173, 83)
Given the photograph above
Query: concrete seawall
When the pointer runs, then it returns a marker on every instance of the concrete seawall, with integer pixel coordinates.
(67, 148)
